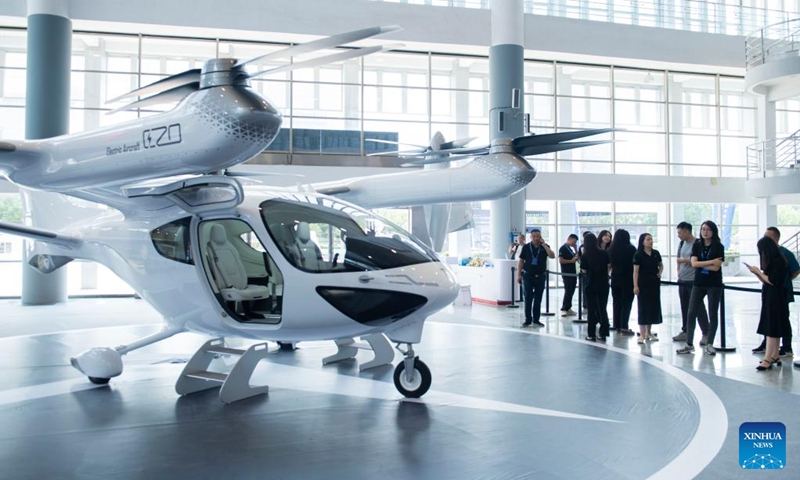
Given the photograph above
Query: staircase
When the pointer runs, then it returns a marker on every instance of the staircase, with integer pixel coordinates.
(774, 157)
(793, 244)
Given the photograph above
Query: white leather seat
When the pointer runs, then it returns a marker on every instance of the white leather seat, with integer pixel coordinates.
(309, 254)
(230, 274)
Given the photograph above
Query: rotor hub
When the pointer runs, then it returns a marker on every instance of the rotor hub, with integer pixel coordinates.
(219, 72)
(502, 145)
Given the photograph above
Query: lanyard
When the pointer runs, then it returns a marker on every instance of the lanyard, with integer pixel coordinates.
(538, 250)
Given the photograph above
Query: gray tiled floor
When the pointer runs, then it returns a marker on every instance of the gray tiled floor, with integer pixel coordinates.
(336, 422)
(741, 313)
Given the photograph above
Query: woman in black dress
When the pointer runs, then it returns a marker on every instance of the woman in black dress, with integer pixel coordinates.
(773, 298)
(594, 264)
(647, 267)
(621, 254)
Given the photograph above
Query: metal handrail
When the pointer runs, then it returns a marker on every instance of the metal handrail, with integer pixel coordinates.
(773, 155)
(693, 15)
(793, 244)
(773, 42)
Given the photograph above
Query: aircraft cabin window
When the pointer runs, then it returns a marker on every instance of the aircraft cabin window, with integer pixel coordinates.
(241, 272)
(173, 241)
(321, 235)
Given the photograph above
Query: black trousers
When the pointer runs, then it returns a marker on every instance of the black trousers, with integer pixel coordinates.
(623, 303)
(787, 327)
(533, 286)
(569, 290)
(684, 294)
(695, 305)
(597, 302)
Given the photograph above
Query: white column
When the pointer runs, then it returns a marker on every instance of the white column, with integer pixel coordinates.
(506, 72)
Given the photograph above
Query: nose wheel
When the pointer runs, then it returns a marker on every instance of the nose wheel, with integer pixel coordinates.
(412, 377)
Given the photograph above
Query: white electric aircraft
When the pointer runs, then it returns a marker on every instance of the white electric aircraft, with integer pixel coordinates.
(236, 258)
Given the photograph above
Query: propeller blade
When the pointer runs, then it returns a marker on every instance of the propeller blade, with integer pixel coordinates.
(173, 95)
(326, 59)
(177, 80)
(558, 147)
(461, 142)
(247, 173)
(482, 150)
(390, 142)
(554, 138)
(399, 153)
(323, 43)
(431, 161)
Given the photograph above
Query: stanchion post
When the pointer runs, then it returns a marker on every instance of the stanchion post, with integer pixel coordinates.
(513, 282)
(723, 339)
(546, 312)
(580, 301)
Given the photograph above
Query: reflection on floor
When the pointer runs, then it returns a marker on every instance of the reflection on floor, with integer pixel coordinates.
(506, 402)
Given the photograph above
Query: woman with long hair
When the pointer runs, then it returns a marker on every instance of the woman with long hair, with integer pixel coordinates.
(594, 264)
(621, 255)
(647, 268)
(708, 253)
(604, 240)
(773, 298)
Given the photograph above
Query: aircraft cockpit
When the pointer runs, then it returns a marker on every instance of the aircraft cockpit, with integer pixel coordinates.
(241, 272)
(321, 235)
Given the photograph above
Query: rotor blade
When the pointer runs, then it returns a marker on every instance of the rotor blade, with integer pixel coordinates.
(248, 173)
(323, 43)
(390, 142)
(177, 80)
(554, 138)
(174, 95)
(324, 60)
(440, 153)
(558, 147)
(399, 153)
(431, 161)
(461, 142)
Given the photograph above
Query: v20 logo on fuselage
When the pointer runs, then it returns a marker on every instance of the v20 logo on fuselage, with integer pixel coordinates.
(162, 136)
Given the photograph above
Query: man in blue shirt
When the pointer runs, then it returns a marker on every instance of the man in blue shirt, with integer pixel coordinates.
(791, 274)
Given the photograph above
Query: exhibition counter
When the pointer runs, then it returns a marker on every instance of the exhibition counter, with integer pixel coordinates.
(490, 285)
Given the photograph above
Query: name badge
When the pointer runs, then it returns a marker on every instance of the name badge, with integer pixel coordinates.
(534, 261)
(704, 271)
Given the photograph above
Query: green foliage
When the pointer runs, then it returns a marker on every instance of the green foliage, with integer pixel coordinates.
(11, 209)
(788, 214)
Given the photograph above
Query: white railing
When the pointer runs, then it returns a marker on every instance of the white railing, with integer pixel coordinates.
(693, 15)
(773, 156)
(774, 42)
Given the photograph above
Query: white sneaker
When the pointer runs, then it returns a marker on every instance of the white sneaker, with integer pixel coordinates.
(571, 312)
(709, 350)
(652, 338)
(640, 340)
(564, 313)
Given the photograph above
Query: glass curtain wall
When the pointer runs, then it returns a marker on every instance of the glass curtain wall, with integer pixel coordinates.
(676, 123)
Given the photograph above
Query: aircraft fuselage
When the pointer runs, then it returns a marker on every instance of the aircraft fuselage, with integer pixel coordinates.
(210, 130)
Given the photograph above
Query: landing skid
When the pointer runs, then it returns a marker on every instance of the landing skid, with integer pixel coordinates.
(348, 348)
(234, 385)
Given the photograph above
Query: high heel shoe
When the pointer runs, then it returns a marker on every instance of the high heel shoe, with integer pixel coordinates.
(760, 367)
(776, 361)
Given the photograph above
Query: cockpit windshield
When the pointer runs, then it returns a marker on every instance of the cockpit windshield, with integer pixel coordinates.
(319, 234)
